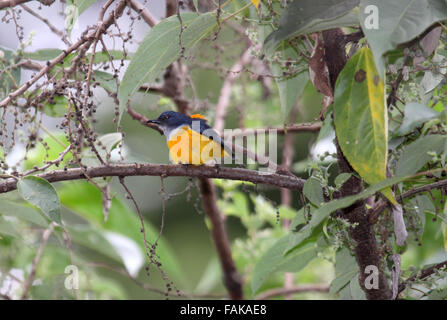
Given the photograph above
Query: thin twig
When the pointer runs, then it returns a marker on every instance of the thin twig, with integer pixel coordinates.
(145, 14)
(375, 212)
(225, 91)
(46, 234)
(48, 23)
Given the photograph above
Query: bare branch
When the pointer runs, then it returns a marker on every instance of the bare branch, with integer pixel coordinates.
(381, 205)
(46, 234)
(167, 170)
(422, 275)
(11, 3)
(145, 14)
(299, 127)
(231, 279)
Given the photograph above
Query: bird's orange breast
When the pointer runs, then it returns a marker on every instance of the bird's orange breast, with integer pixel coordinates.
(190, 147)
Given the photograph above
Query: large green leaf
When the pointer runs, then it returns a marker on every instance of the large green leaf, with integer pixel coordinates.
(398, 22)
(85, 200)
(290, 88)
(274, 260)
(308, 16)
(57, 108)
(7, 228)
(416, 154)
(313, 191)
(345, 269)
(93, 238)
(160, 48)
(42, 194)
(360, 118)
(38, 155)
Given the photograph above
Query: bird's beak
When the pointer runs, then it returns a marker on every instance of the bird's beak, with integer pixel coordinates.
(155, 121)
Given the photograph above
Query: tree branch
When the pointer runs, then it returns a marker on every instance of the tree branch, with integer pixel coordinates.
(296, 289)
(299, 127)
(366, 249)
(422, 275)
(167, 170)
(145, 14)
(231, 279)
(381, 205)
(11, 3)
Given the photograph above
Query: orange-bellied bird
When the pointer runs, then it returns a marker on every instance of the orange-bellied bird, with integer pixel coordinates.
(190, 139)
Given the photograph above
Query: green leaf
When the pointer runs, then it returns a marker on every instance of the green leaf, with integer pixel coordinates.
(416, 114)
(345, 270)
(415, 155)
(438, 293)
(103, 56)
(81, 5)
(8, 79)
(22, 211)
(290, 88)
(39, 154)
(313, 191)
(7, 228)
(357, 292)
(308, 16)
(106, 80)
(361, 119)
(160, 48)
(91, 237)
(322, 213)
(42, 194)
(58, 109)
(42, 54)
(341, 179)
(398, 22)
(85, 200)
(274, 260)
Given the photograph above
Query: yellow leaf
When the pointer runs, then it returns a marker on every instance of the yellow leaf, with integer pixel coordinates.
(360, 118)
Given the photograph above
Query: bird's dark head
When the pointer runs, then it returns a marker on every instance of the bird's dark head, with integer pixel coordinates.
(170, 120)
